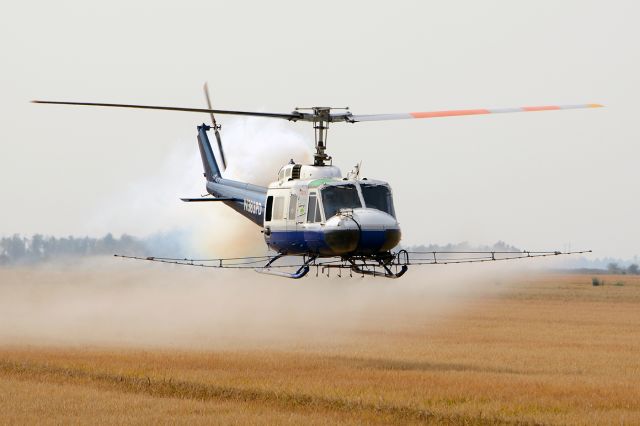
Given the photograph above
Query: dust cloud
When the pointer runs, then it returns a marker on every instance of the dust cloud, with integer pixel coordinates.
(255, 150)
(115, 302)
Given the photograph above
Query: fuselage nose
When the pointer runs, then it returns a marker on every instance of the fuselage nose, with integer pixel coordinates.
(362, 231)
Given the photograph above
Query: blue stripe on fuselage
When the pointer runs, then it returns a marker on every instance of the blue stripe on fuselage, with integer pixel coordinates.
(300, 242)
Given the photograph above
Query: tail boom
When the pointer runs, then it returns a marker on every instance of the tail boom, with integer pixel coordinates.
(247, 199)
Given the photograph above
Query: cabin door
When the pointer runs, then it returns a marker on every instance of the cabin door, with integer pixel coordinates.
(300, 214)
(296, 217)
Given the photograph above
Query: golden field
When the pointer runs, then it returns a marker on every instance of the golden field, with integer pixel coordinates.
(93, 344)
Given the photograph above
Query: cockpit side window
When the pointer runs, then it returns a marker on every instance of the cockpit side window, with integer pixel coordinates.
(313, 209)
(378, 197)
(336, 197)
(318, 216)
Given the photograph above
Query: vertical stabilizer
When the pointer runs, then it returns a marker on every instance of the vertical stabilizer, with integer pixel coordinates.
(211, 169)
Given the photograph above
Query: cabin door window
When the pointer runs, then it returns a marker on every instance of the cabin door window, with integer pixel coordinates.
(293, 205)
(278, 208)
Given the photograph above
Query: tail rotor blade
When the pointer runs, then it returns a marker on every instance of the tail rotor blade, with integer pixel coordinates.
(219, 140)
(215, 125)
(208, 98)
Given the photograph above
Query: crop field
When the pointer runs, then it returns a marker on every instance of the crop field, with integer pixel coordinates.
(92, 344)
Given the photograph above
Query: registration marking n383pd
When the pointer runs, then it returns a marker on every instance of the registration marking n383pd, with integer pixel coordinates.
(253, 207)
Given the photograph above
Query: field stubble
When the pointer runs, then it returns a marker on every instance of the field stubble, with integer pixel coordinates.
(129, 345)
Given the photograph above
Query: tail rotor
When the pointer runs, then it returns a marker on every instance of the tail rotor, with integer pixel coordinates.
(215, 126)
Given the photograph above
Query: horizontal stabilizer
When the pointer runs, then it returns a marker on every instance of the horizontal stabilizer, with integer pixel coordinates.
(193, 200)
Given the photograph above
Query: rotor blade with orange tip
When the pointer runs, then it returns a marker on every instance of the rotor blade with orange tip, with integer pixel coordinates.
(292, 116)
(458, 112)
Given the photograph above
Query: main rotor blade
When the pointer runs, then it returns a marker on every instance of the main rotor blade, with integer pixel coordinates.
(457, 112)
(290, 116)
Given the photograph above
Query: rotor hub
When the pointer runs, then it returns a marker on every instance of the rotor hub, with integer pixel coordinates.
(321, 117)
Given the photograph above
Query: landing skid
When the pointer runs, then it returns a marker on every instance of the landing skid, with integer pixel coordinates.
(367, 267)
(382, 265)
(299, 273)
(386, 272)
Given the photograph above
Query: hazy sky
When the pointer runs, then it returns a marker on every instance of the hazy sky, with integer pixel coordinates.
(540, 181)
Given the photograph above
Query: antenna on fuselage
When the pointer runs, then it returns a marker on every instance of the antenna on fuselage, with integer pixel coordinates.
(215, 125)
(354, 174)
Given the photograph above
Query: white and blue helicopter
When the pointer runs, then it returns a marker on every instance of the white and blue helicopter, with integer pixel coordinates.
(314, 214)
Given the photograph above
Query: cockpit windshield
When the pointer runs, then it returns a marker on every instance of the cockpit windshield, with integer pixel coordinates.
(338, 197)
(378, 197)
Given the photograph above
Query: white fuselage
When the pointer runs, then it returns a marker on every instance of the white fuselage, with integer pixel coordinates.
(314, 210)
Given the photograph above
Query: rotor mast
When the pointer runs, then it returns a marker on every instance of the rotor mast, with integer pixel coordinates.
(321, 117)
(321, 128)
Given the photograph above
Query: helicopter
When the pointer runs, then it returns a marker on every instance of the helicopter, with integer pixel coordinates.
(314, 214)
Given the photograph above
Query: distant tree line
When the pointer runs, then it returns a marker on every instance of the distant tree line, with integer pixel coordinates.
(18, 249)
(615, 268)
(465, 246)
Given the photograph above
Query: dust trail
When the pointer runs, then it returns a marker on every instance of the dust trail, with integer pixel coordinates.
(255, 150)
(130, 304)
